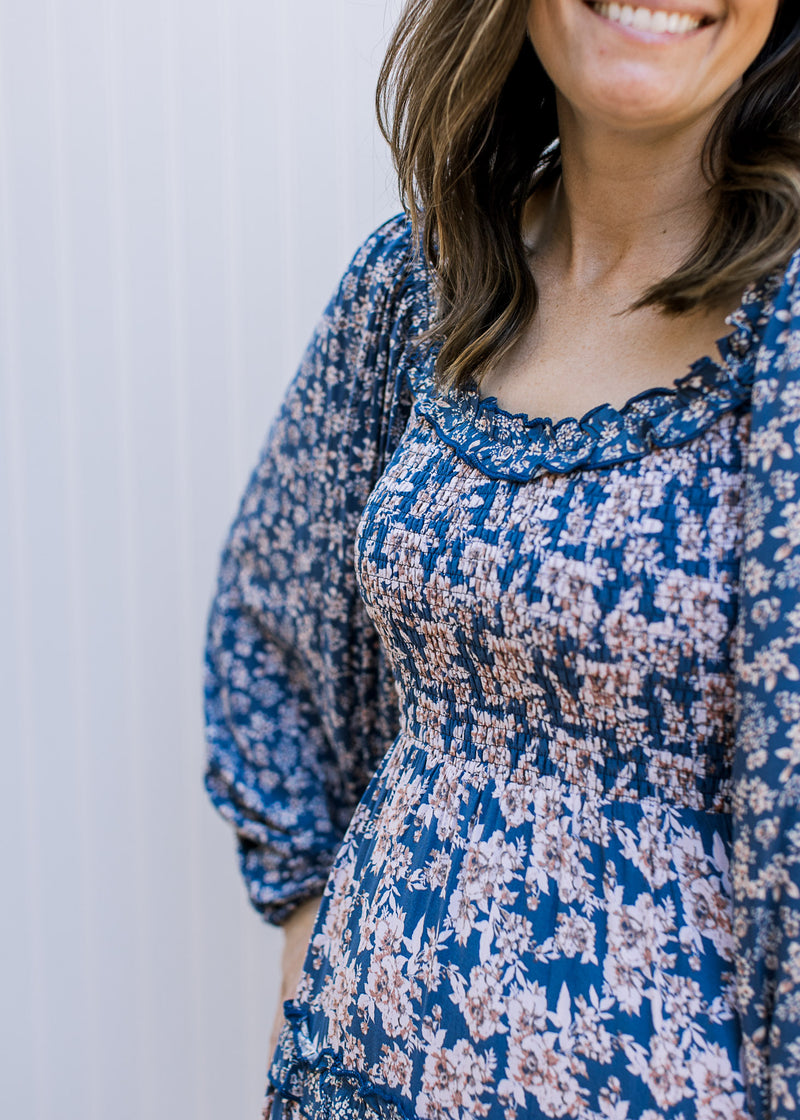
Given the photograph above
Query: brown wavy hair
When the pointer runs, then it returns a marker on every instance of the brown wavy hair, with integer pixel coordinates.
(470, 115)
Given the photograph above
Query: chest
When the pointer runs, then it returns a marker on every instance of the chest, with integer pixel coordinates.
(591, 607)
(579, 353)
(478, 568)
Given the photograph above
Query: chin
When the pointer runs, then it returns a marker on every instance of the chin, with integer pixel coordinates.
(636, 101)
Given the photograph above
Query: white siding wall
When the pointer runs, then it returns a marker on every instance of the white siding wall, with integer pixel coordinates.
(181, 183)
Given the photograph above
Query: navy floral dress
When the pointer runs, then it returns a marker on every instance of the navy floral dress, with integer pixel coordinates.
(526, 697)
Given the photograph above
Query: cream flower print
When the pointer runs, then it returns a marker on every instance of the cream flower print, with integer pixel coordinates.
(525, 697)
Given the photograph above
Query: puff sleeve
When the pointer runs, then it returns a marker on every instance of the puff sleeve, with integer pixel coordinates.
(300, 704)
(766, 777)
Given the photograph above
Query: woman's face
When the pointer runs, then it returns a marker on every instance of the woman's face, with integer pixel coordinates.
(658, 65)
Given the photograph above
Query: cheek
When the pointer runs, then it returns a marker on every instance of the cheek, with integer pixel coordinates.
(552, 22)
(552, 34)
(752, 22)
(760, 14)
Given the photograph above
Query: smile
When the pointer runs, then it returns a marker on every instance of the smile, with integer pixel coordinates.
(645, 19)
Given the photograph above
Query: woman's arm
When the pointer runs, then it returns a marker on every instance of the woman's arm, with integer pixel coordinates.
(297, 934)
(300, 704)
(766, 841)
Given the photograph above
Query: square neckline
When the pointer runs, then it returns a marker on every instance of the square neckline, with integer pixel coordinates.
(726, 346)
(518, 447)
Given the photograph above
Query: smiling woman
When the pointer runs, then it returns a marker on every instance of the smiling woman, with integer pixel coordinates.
(630, 67)
(539, 746)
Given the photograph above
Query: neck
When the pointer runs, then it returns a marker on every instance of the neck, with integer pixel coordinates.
(628, 207)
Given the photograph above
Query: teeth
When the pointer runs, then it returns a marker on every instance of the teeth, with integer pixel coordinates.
(645, 19)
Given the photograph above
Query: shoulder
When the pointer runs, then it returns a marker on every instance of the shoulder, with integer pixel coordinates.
(773, 305)
(390, 245)
(786, 313)
(390, 250)
(791, 275)
(769, 320)
(362, 352)
(389, 261)
(382, 306)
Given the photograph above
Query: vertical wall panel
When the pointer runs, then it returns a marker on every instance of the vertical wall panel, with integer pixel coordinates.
(181, 184)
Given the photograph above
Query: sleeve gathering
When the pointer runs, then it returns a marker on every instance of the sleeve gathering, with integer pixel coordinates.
(300, 704)
(766, 820)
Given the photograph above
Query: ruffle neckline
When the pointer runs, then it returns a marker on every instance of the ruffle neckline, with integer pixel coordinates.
(516, 447)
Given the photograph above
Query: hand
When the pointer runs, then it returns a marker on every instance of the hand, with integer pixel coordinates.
(297, 933)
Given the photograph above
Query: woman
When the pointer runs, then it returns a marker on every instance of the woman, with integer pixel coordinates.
(572, 887)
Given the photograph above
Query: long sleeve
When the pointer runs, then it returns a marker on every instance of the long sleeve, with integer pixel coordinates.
(766, 823)
(300, 703)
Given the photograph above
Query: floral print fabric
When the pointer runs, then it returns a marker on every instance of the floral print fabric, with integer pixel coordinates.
(300, 702)
(570, 888)
(766, 821)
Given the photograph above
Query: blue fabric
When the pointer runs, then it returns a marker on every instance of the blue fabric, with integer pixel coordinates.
(571, 706)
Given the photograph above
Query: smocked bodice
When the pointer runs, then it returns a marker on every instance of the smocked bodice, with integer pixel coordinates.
(568, 887)
(580, 626)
